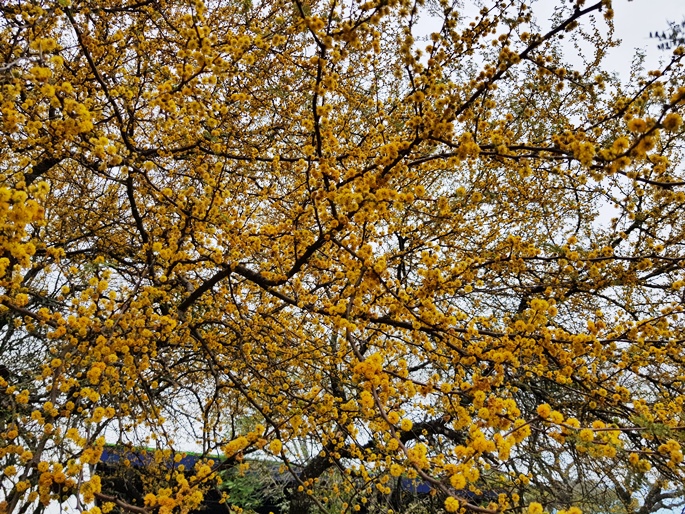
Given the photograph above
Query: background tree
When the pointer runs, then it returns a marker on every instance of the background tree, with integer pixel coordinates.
(670, 39)
(392, 254)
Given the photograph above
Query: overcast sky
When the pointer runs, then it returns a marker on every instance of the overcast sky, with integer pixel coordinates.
(633, 21)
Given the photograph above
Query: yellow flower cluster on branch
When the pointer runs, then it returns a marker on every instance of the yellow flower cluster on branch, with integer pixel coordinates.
(296, 233)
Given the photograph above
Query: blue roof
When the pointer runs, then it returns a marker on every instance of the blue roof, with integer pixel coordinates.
(141, 457)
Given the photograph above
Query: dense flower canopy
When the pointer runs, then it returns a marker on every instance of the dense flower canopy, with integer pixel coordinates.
(299, 230)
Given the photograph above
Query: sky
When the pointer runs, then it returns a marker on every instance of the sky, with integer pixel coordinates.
(633, 21)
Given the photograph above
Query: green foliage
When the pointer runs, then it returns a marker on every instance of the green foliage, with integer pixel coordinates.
(250, 488)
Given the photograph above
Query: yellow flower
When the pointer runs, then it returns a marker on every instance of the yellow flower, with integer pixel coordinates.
(535, 508)
(406, 425)
(637, 125)
(235, 446)
(458, 481)
(275, 446)
(98, 414)
(672, 122)
(586, 435)
(643, 465)
(150, 500)
(544, 411)
(23, 397)
(452, 504)
(556, 417)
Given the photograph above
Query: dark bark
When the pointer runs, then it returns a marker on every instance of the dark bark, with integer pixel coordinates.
(41, 169)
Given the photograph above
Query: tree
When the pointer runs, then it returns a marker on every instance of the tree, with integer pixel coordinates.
(673, 38)
(296, 229)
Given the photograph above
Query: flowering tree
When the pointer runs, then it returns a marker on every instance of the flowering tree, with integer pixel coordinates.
(298, 228)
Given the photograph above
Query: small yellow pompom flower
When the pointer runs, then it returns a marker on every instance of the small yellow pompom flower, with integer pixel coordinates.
(556, 417)
(672, 122)
(535, 508)
(637, 125)
(452, 504)
(275, 446)
(544, 411)
(458, 481)
(586, 435)
(150, 500)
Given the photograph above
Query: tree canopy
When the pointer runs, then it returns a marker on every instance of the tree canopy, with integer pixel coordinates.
(674, 37)
(371, 241)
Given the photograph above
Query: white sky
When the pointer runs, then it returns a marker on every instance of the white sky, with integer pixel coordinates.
(633, 21)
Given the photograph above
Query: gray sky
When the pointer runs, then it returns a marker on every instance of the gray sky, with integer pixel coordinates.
(633, 21)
